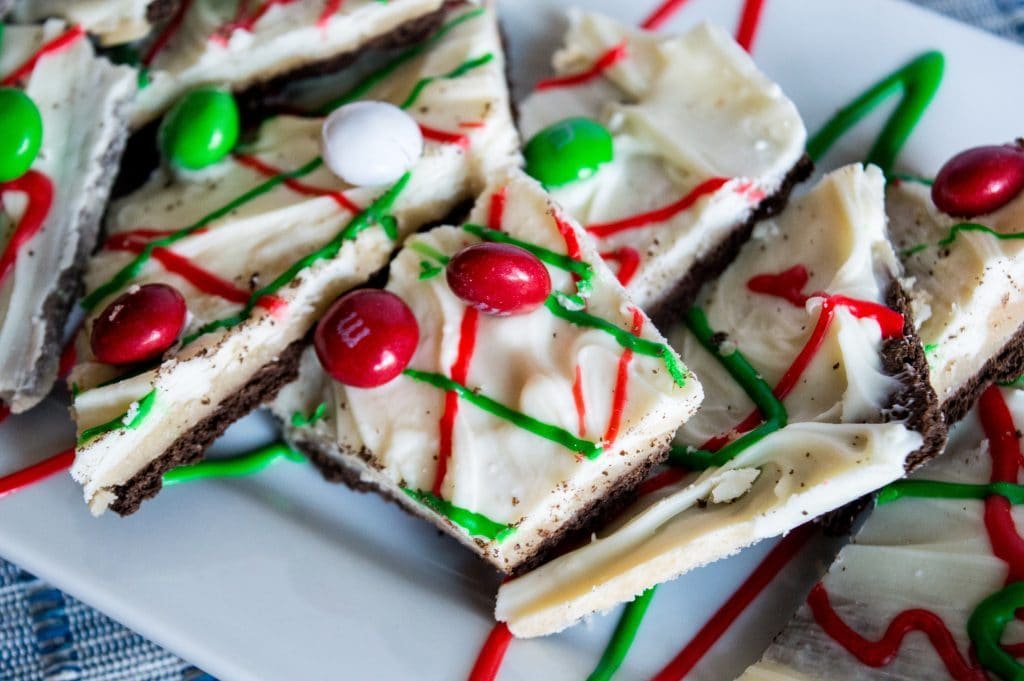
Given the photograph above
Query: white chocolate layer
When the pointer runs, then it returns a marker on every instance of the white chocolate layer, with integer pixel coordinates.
(682, 110)
(82, 100)
(204, 50)
(929, 553)
(528, 362)
(112, 21)
(968, 296)
(832, 451)
(260, 239)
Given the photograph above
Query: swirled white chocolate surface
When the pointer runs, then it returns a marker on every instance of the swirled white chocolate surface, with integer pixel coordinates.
(815, 323)
(966, 285)
(82, 100)
(112, 21)
(261, 243)
(924, 561)
(212, 44)
(701, 137)
(597, 408)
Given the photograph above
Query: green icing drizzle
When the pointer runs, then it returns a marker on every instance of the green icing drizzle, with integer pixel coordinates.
(429, 269)
(641, 346)
(975, 227)
(131, 270)
(916, 179)
(918, 81)
(145, 406)
(460, 70)
(360, 89)
(933, 489)
(622, 639)
(300, 420)
(234, 467)
(771, 408)
(492, 406)
(1015, 383)
(985, 628)
(426, 249)
(374, 214)
(963, 227)
(476, 524)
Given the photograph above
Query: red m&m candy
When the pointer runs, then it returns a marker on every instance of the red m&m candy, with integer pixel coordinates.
(139, 325)
(979, 180)
(499, 279)
(367, 338)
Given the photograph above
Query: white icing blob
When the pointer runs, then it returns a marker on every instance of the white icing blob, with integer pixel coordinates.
(371, 143)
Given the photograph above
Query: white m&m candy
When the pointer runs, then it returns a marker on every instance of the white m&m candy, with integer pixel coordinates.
(371, 143)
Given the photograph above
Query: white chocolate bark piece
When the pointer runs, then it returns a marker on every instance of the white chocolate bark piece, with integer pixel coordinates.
(930, 553)
(112, 21)
(832, 447)
(212, 45)
(561, 372)
(966, 286)
(684, 111)
(257, 228)
(83, 102)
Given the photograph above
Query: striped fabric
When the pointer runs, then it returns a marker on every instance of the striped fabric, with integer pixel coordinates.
(48, 636)
(1002, 17)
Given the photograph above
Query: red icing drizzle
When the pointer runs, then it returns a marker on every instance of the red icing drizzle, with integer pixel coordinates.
(459, 372)
(445, 137)
(36, 472)
(603, 63)
(669, 476)
(244, 21)
(788, 285)
(165, 36)
(68, 357)
(39, 189)
(622, 383)
(1007, 544)
(880, 653)
(745, 32)
(581, 405)
(267, 170)
(661, 214)
(572, 244)
(204, 280)
(330, 9)
(749, 20)
(460, 367)
(1005, 449)
(720, 622)
(488, 662)
(496, 213)
(628, 260)
(119, 241)
(61, 42)
(662, 14)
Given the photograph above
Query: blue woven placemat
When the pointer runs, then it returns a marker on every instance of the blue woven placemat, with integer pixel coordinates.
(46, 635)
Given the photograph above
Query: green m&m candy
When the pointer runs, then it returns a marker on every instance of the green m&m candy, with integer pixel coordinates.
(21, 133)
(201, 129)
(567, 151)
